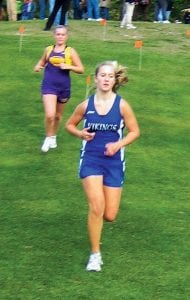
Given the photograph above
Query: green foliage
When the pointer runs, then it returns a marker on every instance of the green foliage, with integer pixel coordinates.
(43, 211)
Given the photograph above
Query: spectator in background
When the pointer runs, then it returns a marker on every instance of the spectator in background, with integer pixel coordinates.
(42, 4)
(58, 15)
(26, 10)
(59, 4)
(168, 11)
(104, 9)
(77, 13)
(33, 9)
(12, 10)
(84, 10)
(93, 10)
(19, 9)
(142, 9)
(129, 6)
(160, 5)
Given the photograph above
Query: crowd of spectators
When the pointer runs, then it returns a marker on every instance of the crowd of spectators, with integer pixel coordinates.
(161, 10)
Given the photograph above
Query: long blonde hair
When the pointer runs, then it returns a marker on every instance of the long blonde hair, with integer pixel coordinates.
(121, 77)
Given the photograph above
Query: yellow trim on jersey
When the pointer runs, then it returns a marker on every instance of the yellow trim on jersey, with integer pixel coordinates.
(58, 59)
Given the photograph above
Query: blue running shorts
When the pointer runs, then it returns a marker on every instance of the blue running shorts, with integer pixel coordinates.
(113, 171)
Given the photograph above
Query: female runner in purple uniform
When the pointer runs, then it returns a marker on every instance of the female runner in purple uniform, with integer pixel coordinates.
(102, 163)
(56, 83)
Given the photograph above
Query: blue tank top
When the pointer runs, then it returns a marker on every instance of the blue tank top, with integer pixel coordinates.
(55, 77)
(108, 128)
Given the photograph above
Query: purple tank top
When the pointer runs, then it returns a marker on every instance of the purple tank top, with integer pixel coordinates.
(54, 77)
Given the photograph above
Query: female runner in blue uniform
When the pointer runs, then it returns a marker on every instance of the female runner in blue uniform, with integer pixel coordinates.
(102, 164)
(56, 83)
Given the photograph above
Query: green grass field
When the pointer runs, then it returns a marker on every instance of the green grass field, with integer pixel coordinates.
(43, 238)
